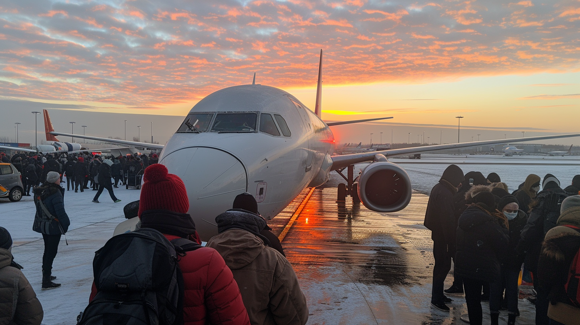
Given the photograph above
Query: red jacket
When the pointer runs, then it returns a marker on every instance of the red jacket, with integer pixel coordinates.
(211, 295)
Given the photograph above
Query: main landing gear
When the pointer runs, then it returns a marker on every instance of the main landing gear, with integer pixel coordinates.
(350, 188)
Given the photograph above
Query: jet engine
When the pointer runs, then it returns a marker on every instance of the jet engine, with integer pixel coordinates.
(384, 186)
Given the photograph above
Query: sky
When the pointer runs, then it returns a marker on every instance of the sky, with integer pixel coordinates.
(507, 67)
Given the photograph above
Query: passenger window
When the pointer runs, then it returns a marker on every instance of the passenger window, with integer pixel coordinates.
(267, 125)
(282, 124)
(5, 170)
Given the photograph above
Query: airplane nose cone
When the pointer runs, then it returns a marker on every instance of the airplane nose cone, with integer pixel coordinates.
(213, 179)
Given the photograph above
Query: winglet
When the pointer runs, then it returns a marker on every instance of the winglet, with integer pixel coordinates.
(48, 127)
(254, 81)
(317, 108)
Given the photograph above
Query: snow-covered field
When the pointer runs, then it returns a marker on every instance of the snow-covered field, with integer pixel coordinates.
(92, 224)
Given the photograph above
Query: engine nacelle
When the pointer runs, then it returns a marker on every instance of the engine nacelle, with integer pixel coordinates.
(384, 187)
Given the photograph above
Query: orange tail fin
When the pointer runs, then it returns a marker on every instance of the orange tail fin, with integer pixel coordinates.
(48, 127)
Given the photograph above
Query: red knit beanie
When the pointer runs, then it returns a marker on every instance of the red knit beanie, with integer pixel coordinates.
(162, 191)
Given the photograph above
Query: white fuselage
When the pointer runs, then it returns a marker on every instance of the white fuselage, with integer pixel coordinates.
(57, 146)
(216, 167)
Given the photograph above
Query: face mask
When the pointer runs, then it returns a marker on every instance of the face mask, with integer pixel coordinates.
(510, 215)
(536, 189)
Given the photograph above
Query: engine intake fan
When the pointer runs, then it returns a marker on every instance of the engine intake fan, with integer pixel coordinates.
(384, 186)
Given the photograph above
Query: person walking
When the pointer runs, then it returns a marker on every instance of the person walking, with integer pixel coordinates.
(211, 295)
(482, 237)
(18, 302)
(440, 219)
(561, 246)
(31, 175)
(267, 282)
(104, 181)
(511, 264)
(52, 221)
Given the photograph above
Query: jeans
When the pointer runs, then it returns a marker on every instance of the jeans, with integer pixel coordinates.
(472, 289)
(509, 282)
(50, 250)
(440, 269)
(109, 188)
(70, 182)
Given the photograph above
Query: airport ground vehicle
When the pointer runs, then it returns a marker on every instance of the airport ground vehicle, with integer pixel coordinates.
(133, 177)
(10, 180)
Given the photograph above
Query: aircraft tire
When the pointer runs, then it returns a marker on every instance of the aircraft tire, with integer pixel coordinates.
(341, 193)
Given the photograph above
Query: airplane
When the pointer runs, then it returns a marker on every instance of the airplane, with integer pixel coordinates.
(262, 140)
(54, 145)
(561, 152)
(511, 150)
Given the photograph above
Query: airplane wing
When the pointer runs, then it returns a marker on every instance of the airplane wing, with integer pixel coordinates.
(357, 121)
(346, 160)
(17, 149)
(125, 142)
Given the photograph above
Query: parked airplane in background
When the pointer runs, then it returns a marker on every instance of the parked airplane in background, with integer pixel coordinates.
(561, 153)
(264, 141)
(511, 150)
(54, 145)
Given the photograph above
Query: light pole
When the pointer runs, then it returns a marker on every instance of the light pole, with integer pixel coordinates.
(458, 126)
(428, 140)
(84, 133)
(17, 123)
(139, 137)
(35, 128)
(371, 138)
(151, 132)
(409, 138)
(125, 129)
(72, 130)
(381, 137)
(523, 134)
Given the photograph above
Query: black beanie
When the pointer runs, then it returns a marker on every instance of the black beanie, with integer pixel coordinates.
(247, 202)
(476, 178)
(453, 174)
(576, 181)
(5, 238)
(499, 192)
(505, 201)
(493, 178)
(486, 198)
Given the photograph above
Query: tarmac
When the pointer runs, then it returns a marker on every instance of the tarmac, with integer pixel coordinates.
(357, 266)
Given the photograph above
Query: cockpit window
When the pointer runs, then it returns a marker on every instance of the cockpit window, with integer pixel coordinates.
(267, 125)
(235, 122)
(282, 124)
(195, 123)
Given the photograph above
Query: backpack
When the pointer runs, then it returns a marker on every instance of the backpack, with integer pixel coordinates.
(138, 280)
(572, 285)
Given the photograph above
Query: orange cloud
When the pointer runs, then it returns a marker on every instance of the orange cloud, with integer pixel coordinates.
(51, 13)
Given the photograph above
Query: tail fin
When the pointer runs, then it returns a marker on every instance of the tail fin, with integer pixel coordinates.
(570, 149)
(48, 127)
(254, 81)
(317, 108)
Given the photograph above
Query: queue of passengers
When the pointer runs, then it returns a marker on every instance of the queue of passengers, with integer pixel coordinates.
(489, 234)
(240, 277)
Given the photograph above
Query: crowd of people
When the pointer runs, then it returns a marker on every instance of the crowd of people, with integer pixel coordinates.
(495, 237)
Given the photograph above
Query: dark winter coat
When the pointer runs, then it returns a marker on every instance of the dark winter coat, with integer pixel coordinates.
(543, 217)
(51, 165)
(440, 217)
(18, 302)
(30, 174)
(52, 197)
(69, 169)
(116, 169)
(481, 242)
(104, 175)
(572, 190)
(525, 195)
(558, 250)
(81, 169)
(211, 294)
(94, 168)
(512, 259)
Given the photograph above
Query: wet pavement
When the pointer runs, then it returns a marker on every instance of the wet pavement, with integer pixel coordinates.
(357, 266)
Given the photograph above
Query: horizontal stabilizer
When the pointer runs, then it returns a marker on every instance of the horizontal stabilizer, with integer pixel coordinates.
(358, 121)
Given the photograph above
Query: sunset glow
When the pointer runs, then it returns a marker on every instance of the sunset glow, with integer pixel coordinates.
(499, 63)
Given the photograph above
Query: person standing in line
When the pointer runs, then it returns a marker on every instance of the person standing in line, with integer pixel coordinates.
(51, 164)
(511, 264)
(482, 238)
(527, 193)
(80, 172)
(105, 181)
(18, 302)
(574, 188)
(52, 221)
(560, 248)
(31, 175)
(440, 219)
(116, 171)
(69, 173)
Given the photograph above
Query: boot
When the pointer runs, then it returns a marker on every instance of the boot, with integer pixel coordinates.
(48, 284)
(511, 319)
(494, 318)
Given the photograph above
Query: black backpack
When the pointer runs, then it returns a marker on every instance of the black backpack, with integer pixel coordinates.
(138, 280)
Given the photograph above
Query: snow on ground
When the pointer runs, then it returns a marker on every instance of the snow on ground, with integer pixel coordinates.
(91, 226)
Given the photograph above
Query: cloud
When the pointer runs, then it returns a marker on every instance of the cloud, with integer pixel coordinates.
(566, 96)
(156, 53)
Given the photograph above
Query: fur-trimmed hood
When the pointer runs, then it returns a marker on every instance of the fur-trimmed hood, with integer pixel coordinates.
(562, 233)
